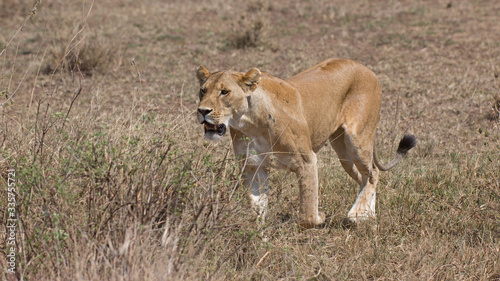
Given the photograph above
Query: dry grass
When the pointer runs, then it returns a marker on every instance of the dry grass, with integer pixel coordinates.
(116, 183)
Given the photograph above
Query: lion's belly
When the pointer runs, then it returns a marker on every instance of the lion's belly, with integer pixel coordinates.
(322, 124)
(320, 136)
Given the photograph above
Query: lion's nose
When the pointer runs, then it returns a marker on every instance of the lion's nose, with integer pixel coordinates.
(204, 111)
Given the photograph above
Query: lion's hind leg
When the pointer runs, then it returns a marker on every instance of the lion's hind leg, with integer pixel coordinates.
(360, 152)
(338, 144)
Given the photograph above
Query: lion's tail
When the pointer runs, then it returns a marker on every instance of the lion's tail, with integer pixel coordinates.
(407, 142)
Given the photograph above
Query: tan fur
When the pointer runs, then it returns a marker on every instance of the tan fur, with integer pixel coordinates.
(336, 101)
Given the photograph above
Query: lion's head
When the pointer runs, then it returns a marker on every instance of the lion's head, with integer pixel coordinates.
(223, 98)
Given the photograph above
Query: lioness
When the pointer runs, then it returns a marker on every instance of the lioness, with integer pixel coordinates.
(336, 100)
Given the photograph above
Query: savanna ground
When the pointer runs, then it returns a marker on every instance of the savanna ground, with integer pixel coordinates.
(115, 182)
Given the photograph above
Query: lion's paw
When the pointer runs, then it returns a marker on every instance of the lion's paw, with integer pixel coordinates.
(319, 221)
(321, 218)
(356, 217)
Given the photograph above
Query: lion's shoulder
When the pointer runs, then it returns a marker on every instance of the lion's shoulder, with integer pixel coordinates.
(280, 91)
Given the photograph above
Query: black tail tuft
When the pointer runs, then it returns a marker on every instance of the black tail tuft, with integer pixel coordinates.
(407, 142)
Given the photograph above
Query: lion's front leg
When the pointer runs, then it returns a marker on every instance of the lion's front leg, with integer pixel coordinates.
(308, 184)
(255, 177)
(254, 169)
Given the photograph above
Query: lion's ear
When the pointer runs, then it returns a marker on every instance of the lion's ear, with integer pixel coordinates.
(202, 74)
(251, 78)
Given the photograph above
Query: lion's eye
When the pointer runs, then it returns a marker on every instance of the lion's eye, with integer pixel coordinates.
(203, 92)
(224, 92)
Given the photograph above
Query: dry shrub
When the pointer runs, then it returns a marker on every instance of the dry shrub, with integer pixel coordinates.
(124, 201)
(246, 34)
(87, 55)
(248, 31)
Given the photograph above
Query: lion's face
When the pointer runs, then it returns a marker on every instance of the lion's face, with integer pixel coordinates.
(223, 99)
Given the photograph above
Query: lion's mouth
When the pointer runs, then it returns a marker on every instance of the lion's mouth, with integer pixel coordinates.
(217, 129)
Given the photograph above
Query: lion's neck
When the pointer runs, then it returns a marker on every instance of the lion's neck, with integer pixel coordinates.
(256, 116)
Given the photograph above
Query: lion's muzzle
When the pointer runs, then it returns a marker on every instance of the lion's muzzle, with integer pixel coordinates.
(210, 128)
(219, 129)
